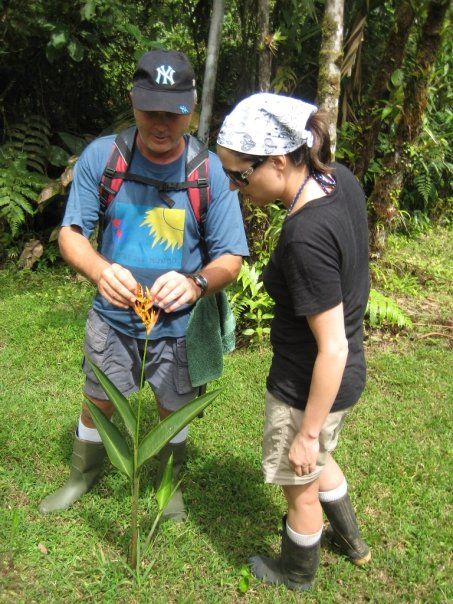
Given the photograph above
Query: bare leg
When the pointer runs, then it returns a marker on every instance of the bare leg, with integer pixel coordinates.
(304, 509)
(331, 475)
(298, 561)
(106, 407)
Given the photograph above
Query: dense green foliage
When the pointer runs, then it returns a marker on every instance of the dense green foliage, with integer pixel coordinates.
(65, 69)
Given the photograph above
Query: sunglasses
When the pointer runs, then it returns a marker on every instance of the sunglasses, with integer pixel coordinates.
(240, 179)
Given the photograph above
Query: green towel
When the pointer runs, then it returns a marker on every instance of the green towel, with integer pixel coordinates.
(210, 334)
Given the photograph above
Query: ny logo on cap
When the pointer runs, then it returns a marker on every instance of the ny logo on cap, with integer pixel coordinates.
(165, 75)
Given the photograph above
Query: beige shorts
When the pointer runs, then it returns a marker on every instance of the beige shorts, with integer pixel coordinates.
(281, 426)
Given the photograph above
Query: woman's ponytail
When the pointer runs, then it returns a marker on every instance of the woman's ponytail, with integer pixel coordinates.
(317, 157)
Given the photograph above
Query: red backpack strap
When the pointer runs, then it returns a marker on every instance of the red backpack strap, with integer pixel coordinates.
(118, 162)
(197, 171)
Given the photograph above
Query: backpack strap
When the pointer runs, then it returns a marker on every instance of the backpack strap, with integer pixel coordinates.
(116, 166)
(196, 183)
(197, 171)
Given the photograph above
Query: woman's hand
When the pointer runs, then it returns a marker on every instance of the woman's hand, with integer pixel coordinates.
(303, 454)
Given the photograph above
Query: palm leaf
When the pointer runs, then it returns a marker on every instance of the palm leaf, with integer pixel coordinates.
(115, 445)
(159, 436)
(165, 490)
(121, 403)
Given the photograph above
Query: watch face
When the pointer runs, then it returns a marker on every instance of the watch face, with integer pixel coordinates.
(200, 281)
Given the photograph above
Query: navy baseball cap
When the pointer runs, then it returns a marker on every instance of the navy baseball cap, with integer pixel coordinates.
(164, 81)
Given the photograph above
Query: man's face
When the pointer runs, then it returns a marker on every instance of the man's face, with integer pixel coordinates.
(161, 134)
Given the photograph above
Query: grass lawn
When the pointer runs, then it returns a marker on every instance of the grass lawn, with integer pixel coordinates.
(395, 451)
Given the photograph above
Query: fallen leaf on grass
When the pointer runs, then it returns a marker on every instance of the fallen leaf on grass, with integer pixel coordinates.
(43, 549)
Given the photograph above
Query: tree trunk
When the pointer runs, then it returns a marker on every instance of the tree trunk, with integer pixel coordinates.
(388, 185)
(207, 99)
(265, 54)
(392, 60)
(247, 11)
(330, 58)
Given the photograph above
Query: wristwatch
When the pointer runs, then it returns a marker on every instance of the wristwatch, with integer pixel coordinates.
(199, 280)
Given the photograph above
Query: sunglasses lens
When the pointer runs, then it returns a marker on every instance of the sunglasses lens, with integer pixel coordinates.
(235, 177)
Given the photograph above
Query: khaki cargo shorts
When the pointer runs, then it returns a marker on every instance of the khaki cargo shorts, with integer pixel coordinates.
(281, 425)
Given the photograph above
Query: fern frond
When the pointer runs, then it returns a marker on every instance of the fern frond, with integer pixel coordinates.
(424, 185)
(383, 310)
(31, 138)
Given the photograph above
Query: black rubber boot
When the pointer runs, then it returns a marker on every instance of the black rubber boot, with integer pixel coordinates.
(86, 468)
(296, 567)
(343, 532)
(174, 509)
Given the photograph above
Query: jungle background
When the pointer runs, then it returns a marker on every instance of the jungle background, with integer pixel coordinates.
(382, 72)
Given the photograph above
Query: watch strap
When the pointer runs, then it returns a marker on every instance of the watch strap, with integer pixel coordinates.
(199, 280)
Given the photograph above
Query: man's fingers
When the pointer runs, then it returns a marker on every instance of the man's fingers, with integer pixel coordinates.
(112, 296)
(118, 284)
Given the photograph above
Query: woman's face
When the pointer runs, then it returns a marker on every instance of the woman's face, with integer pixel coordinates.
(263, 181)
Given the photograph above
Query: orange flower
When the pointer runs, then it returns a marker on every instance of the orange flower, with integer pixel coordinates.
(145, 308)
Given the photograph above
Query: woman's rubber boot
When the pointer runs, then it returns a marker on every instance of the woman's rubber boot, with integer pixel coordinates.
(86, 468)
(174, 509)
(343, 532)
(296, 568)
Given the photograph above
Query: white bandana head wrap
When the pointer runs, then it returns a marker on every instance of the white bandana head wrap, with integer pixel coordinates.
(267, 124)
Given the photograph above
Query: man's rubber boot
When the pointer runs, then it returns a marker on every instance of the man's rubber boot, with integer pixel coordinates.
(174, 510)
(296, 568)
(343, 532)
(86, 467)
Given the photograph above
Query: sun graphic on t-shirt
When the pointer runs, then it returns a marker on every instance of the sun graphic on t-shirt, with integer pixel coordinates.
(166, 225)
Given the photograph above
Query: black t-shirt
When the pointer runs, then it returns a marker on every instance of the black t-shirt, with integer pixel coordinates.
(321, 259)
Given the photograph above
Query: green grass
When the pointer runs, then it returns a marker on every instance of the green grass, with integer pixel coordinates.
(395, 451)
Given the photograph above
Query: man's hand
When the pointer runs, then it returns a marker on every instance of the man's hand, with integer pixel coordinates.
(172, 290)
(303, 454)
(117, 285)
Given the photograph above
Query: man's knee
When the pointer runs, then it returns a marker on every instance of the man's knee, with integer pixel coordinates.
(106, 407)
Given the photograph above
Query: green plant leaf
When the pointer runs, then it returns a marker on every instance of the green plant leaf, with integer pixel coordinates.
(88, 11)
(75, 50)
(59, 38)
(397, 77)
(159, 436)
(244, 582)
(121, 403)
(386, 111)
(75, 144)
(57, 156)
(115, 445)
(165, 489)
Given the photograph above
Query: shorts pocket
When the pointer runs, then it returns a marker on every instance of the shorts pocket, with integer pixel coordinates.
(276, 436)
(181, 369)
(96, 334)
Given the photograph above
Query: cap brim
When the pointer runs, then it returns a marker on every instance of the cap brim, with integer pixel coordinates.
(181, 102)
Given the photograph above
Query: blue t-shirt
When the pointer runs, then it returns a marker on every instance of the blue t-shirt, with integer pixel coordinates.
(146, 236)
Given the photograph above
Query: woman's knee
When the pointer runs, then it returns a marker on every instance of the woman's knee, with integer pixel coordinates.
(302, 496)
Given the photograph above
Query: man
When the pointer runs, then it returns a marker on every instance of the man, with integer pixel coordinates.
(146, 241)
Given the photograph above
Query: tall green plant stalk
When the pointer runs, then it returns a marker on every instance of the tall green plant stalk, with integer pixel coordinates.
(129, 462)
(136, 479)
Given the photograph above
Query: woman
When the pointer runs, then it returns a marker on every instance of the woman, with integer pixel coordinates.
(275, 147)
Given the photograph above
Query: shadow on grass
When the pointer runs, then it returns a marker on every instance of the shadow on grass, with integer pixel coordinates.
(225, 498)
